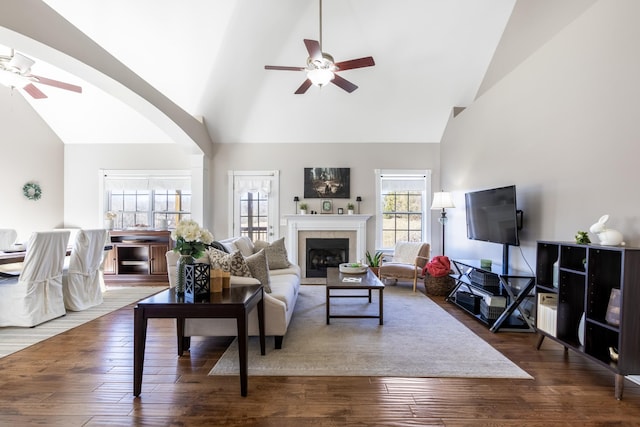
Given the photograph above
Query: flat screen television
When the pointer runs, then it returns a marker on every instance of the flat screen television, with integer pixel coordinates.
(492, 215)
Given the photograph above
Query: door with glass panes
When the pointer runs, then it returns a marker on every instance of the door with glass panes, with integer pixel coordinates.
(255, 205)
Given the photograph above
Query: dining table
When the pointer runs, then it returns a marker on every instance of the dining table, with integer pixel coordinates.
(10, 257)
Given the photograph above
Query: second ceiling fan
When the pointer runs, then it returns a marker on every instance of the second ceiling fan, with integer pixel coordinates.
(15, 71)
(322, 69)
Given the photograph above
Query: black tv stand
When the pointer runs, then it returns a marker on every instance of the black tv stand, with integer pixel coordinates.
(505, 259)
(505, 283)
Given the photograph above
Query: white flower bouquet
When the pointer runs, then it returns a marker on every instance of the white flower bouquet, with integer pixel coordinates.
(191, 239)
(110, 215)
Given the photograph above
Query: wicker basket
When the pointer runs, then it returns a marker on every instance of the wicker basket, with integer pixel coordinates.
(438, 285)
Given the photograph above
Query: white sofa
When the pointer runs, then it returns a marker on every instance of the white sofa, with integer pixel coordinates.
(278, 304)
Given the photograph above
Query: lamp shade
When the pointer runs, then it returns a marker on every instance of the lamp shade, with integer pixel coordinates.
(296, 199)
(442, 200)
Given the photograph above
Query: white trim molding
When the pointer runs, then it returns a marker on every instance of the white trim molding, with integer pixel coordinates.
(328, 222)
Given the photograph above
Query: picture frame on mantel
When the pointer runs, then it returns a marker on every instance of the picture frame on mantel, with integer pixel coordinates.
(323, 183)
(326, 207)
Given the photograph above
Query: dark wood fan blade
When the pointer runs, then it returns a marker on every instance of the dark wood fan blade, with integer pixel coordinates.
(303, 88)
(277, 67)
(355, 63)
(34, 91)
(344, 84)
(313, 47)
(58, 84)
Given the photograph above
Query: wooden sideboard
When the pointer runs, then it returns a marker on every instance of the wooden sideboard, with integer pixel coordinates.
(137, 256)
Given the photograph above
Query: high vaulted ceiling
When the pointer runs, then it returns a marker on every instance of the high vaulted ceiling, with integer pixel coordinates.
(208, 57)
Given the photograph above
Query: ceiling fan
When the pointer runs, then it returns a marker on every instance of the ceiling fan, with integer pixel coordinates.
(15, 71)
(322, 69)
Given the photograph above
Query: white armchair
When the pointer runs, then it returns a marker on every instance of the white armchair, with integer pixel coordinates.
(36, 295)
(83, 281)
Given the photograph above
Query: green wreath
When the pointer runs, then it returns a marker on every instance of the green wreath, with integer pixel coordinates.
(32, 191)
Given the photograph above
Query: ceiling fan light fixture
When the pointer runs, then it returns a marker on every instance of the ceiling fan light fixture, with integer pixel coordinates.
(321, 69)
(20, 63)
(320, 76)
(9, 79)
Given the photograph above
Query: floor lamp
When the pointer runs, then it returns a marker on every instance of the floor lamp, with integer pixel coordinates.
(442, 200)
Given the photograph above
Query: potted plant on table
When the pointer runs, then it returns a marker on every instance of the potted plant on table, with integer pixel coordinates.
(191, 242)
(350, 208)
(303, 208)
(109, 218)
(374, 261)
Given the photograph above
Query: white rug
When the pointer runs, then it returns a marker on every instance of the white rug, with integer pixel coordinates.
(418, 339)
(14, 339)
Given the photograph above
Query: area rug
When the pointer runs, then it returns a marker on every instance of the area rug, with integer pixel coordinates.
(14, 339)
(418, 339)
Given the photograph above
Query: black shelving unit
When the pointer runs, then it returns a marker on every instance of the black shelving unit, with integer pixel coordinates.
(586, 276)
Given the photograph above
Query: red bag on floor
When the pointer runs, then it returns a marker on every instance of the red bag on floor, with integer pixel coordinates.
(438, 266)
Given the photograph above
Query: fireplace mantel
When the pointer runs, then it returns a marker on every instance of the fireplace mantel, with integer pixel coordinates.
(326, 222)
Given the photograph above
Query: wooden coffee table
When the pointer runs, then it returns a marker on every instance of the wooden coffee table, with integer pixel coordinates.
(369, 282)
(235, 303)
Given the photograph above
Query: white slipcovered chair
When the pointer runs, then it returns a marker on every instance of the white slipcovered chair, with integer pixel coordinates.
(36, 295)
(8, 237)
(83, 280)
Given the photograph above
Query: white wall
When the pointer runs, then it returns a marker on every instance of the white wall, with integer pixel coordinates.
(83, 163)
(563, 126)
(291, 159)
(82, 173)
(30, 151)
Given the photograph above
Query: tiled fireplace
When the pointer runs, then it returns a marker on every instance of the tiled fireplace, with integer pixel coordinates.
(323, 253)
(300, 228)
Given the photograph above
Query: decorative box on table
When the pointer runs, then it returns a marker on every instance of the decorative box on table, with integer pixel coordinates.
(197, 286)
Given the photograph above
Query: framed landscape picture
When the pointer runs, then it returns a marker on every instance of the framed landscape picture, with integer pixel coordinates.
(320, 183)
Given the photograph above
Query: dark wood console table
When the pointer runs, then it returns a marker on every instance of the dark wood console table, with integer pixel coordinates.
(235, 303)
(138, 256)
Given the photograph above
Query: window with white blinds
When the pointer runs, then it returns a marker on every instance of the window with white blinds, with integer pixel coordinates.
(145, 198)
(401, 200)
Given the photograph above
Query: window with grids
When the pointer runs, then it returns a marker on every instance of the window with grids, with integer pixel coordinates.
(402, 208)
(254, 215)
(147, 201)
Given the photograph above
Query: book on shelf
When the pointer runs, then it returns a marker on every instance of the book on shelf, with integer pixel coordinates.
(546, 319)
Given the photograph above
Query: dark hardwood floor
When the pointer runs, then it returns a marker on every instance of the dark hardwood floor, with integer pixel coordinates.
(84, 377)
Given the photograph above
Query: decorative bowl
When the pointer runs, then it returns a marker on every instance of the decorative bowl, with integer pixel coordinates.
(353, 268)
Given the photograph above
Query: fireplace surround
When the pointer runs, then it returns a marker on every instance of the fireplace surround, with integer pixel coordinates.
(328, 226)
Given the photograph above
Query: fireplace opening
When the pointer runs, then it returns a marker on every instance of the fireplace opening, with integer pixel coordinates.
(325, 253)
